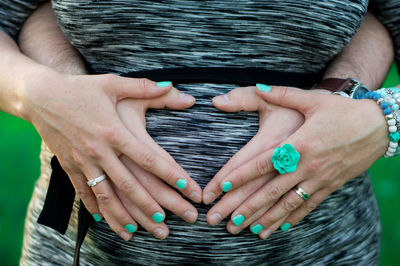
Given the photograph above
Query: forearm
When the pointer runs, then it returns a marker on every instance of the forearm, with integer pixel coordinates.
(367, 57)
(17, 73)
(42, 40)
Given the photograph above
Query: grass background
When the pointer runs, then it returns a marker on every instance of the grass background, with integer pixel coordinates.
(19, 169)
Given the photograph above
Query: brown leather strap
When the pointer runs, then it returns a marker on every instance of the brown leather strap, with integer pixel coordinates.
(334, 84)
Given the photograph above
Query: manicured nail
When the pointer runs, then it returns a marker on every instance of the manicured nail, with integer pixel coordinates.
(130, 228)
(226, 186)
(190, 216)
(215, 218)
(263, 87)
(238, 219)
(255, 229)
(164, 83)
(96, 217)
(209, 197)
(265, 234)
(181, 183)
(285, 227)
(158, 217)
(125, 235)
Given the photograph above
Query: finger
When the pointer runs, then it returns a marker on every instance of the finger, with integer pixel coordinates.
(239, 99)
(232, 200)
(265, 197)
(258, 166)
(174, 100)
(132, 189)
(110, 206)
(87, 196)
(307, 207)
(162, 193)
(152, 162)
(121, 87)
(289, 97)
(284, 207)
(158, 230)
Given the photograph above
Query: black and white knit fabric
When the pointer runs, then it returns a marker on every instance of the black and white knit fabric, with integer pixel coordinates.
(286, 35)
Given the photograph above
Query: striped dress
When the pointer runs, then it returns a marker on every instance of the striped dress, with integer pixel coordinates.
(293, 36)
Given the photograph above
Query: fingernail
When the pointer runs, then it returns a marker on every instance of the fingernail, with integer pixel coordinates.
(158, 217)
(226, 186)
(285, 227)
(238, 219)
(96, 217)
(125, 235)
(222, 99)
(263, 87)
(215, 218)
(164, 83)
(130, 228)
(185, 97)
(195, 197)
(209, 197)
(181, 183)
(265, 234)
(190, 216)
(159, 233)
(255, 229)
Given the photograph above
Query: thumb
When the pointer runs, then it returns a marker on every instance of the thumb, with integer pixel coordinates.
(239, 99)
(139, 88)
(174, 99)
(293, 98)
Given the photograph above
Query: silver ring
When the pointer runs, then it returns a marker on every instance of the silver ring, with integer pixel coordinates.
(302, 193)
(93, 182)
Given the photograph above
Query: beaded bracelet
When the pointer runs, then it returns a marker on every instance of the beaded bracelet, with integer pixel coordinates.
(394, 136)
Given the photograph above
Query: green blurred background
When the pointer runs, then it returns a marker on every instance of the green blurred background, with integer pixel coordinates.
(19, 169)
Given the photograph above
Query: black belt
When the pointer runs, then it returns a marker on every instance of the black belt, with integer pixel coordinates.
(60, 196)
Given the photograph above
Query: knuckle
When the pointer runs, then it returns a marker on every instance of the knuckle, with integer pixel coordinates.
(312, 166)
(275, 192)
(289, 205)
(93, 151)
(127, 186)
(249, 208)
(143, 83)
(282, 93)
(148, 160)
(103, 198)
(310, 206)
(112, 136)
(78, 158)
(262, 166)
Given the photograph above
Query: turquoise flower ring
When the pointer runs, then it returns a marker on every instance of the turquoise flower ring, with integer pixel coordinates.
(285, 159)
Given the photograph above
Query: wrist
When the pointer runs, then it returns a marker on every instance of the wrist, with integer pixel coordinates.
(348, 87)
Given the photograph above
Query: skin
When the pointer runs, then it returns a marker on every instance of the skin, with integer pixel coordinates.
(249, 187)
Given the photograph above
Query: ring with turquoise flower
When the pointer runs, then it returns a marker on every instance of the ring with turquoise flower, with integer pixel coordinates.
(285, 159)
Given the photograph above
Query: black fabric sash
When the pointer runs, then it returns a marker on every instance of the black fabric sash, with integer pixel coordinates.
(59, 200)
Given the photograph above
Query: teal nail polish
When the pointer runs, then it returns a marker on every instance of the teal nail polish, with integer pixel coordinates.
(256, 229)
(181, 183)
(238, 219)
(96, 217)
(158, 217)
(130, 228)
(164, 83)
(263, 87)
(285, 227)
(226, 186)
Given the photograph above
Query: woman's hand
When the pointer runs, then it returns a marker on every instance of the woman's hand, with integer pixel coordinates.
(275, 125)
(339, 140)
(77, 118)
(132, 113)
